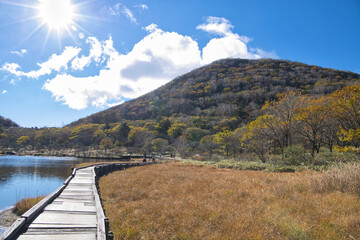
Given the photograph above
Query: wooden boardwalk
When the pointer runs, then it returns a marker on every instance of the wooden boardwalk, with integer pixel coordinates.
(73, 211)
(72, 215)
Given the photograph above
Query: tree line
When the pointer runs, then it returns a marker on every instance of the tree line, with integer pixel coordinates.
(293, 123)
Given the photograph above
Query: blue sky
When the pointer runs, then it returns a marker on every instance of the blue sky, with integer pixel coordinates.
(61, 60)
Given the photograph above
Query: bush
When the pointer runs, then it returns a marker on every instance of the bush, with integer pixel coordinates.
(296, 155)
(326, 158)
(256, 166)
(25, 204)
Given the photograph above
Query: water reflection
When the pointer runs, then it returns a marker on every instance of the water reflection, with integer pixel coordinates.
(28, 176)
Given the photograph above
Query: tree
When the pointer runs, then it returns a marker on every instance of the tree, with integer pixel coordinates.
(312, 121)
(208, 144)
(176, 130)
(284, 109)
(23, 140)
(229, 142)
(83, 134)
(160, 145)
(345, 105)
(255, 139)
(140, 139)
(194, 135)
(182, 146)
(163, 126)
(121, 133)
(106, 143)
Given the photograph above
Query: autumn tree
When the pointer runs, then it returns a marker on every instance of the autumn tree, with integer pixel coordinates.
(83, 134)
(312, 121)
(176, 130)
(23, 140)
(255, 139)
(45, 137)
(106, 143)
(284, 110)
(229, 142)
(346, 108)
(208, 144)
(163, 126)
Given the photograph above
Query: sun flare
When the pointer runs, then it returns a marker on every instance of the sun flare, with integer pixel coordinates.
(57, 14)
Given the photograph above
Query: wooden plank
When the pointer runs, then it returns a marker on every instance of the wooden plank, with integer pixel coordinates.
(67, 236)
(56, 227)
(61, 230)
(60, 218)
(34, 211)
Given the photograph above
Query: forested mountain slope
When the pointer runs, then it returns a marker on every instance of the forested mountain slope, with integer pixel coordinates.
(226, 88)
(7, 123)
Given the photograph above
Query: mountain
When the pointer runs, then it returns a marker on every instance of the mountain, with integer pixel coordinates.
(7, 123)
(225, 89)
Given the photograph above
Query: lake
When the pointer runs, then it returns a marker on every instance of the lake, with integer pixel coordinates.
(30, 176)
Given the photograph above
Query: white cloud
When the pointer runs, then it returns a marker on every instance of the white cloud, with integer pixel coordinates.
(95, 54)
(81, 35)
(12, 68)
(129, 14)
(115, 103)
(119, 9)
(155, 60)
(4, 91)
(142, 6)
(229, 45)
(54, 63)
(152, 28)
(216, 25)
(20, 53)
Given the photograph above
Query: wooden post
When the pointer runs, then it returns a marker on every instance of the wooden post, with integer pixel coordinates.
(110, 236)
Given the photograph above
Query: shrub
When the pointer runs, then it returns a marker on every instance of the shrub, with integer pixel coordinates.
(295, 155)
(25, 204)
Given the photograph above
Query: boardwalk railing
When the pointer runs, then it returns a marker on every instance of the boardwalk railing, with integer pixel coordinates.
(98, 170)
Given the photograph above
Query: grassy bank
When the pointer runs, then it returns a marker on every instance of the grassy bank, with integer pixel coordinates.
(191, 201)
(25, 204)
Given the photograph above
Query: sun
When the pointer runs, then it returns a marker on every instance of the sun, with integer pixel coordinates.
(56, 14)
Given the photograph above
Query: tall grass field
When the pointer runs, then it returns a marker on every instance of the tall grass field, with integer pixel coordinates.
(190, 201)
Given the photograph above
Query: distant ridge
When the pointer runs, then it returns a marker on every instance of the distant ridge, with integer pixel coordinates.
(7, 123)
(226, 88)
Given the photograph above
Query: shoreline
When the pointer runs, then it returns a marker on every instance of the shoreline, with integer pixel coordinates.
(7, 218)
(80, 156)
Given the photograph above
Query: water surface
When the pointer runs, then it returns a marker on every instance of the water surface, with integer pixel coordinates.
(30, 176)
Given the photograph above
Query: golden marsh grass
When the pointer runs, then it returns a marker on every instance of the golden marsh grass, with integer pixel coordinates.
(188, 201)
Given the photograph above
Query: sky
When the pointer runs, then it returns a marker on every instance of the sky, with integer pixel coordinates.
(61, 60)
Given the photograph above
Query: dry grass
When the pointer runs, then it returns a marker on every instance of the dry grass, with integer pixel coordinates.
(92, 163)
(344, 177)
(25, 204)
(184, 201)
